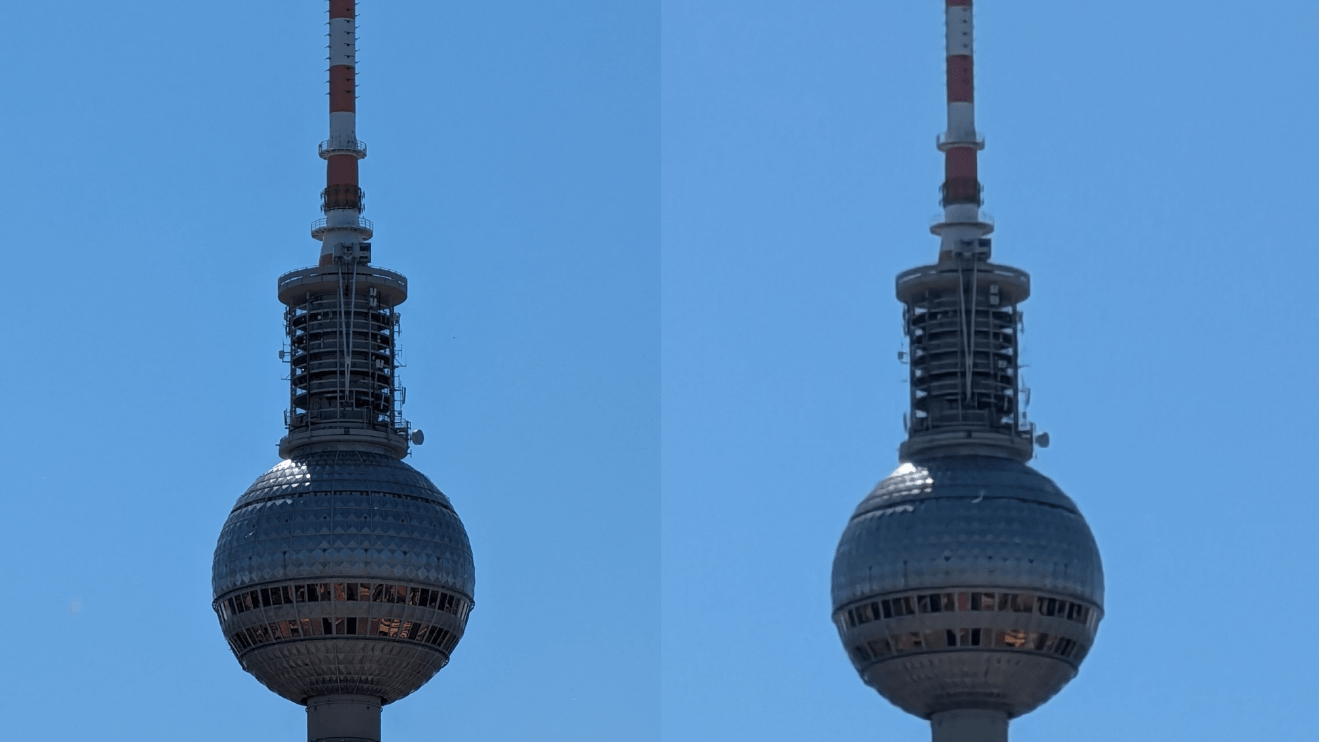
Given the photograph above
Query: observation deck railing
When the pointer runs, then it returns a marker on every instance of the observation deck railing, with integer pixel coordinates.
(294, 283)
(342, 146)
(988, 270)
(944, 143)
(985, 218)
(364, 227)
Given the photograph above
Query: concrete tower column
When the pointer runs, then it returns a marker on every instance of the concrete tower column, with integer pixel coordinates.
(970, 726)
(343, 718)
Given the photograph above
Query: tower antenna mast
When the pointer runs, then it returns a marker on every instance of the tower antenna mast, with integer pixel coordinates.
(963, 227)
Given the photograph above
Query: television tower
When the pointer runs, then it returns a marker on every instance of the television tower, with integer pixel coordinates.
(967, 588)
(343, 578)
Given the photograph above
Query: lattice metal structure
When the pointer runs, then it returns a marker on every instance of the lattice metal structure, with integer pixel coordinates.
(967, 588)
(962, 324)
(343, 578)
(342, 324)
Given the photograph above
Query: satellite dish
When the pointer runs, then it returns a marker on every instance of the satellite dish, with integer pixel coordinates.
(418, 437)
(1042, 440)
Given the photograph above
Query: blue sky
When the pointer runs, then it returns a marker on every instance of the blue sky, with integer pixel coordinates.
(653, 343)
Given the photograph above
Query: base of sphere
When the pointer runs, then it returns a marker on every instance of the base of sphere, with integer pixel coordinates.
(938, 682)
(373, 667)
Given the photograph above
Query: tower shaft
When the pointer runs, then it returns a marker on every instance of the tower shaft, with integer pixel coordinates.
(969, 726)
(345, 718)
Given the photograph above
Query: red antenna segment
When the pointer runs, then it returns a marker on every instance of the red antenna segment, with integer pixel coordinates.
(343, 232)
(962, 226)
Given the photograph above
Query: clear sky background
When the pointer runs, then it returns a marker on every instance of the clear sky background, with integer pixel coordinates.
(1149, 165)
(161, 172)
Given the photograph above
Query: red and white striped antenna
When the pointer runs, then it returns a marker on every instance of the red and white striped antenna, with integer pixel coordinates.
(962, 317)
(343, 233)
(963, 226)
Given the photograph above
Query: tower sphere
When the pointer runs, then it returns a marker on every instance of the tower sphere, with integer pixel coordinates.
(967, 582)
(343, 572)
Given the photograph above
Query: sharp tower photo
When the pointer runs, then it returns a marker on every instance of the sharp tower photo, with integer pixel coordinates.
(967, 587)
(343, 578)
